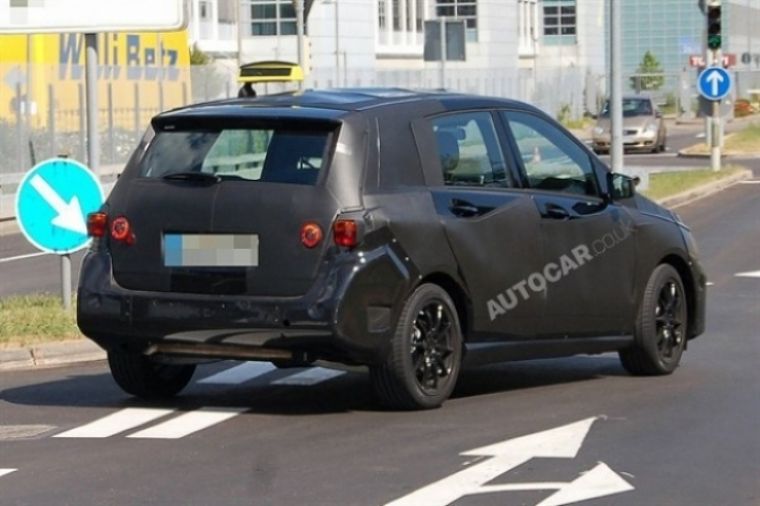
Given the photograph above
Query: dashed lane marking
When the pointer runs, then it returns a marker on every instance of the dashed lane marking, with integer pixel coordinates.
(113, 424)
(751, 274)
(309, 377)
(239, 374)
(189, 423)
(23, 257)
(3, 472)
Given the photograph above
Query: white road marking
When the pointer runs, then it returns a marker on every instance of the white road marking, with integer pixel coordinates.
(701, 135)
(599, 482)
(121, 421)
(750, 181)
(751, 274)
(710, 283)
(561, 442)
(23, 257)
(14, 432)
(3, 472)
(188, 423)
(239, 374)
(309, 377)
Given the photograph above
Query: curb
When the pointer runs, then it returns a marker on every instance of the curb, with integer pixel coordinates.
(724, 156)
(50, 355)
(704, 190)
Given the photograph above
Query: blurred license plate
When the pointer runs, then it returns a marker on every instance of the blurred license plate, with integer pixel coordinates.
(211, 250)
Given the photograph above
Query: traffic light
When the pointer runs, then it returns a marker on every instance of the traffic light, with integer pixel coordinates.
(714, 37)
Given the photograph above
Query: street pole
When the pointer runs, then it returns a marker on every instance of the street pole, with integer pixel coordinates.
(239, 30)
(300, 37)
(616, 88)
(337, 44)
(91, 90)
(442, 29)
(66, 281)
(715, 135)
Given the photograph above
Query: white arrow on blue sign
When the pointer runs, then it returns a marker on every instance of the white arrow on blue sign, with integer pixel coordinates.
(714, 83)
(52, 203)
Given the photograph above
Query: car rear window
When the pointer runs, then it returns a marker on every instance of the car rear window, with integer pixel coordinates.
(278, 156)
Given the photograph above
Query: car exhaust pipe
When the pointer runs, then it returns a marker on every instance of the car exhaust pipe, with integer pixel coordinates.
(219, 351)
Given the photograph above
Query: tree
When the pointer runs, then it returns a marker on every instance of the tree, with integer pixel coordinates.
(649, 65)
(198, 57)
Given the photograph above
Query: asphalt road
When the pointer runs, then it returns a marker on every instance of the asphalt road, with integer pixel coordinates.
(248, 434)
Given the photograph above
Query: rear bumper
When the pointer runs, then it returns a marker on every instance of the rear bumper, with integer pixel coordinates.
(347, 315)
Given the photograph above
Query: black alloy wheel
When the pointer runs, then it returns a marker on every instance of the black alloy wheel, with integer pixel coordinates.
(423, 364)
(661, 327)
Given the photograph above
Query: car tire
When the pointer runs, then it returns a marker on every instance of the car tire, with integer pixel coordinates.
(423, 364)
(142, 377)
(661, 326)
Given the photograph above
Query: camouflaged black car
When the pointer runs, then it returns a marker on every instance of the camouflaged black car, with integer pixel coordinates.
(408, 232)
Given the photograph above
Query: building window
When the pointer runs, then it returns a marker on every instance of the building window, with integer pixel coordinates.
(203, 7)
(273, 17)
(560, 21)
(381, 14)
(466, 10)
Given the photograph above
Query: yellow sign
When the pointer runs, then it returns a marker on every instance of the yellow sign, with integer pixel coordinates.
(147, 71)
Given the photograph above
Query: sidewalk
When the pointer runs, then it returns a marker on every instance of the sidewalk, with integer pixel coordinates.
(50, 355)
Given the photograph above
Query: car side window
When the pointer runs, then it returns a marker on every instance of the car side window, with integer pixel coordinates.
(551, 159)
(469, 150)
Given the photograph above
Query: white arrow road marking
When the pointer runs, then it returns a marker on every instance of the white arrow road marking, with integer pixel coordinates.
(3, 472)
(714, 78)
(599, 482)
(309, 377)
(561, 442)
(121, 421)
(188, 423)
(752, 274)
(69, 214)
(239, 374)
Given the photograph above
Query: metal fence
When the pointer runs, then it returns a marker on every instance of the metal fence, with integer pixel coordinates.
(42, 108)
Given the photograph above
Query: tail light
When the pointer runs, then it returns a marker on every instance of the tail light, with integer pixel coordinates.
(121, 230)
(346, 233)
(311, 234)
(97, 224)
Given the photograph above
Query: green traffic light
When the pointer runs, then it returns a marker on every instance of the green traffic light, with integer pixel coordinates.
(714, 41)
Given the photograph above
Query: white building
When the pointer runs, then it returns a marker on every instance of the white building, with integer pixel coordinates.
(512, 46)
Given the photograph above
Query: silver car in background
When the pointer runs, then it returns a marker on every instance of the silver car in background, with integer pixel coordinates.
(643, 126)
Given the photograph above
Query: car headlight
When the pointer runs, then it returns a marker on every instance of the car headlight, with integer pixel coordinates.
(598, 130)
(651, 128)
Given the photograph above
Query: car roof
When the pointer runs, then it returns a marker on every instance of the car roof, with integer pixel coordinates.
(334, 103)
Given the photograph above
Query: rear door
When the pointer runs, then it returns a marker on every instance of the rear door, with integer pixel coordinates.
(491, 227)
(220, 210)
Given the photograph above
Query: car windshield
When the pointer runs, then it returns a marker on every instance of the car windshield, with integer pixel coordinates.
(282, 156)
(631, 107)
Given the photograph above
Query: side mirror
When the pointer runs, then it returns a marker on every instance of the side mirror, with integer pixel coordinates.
(621, 186)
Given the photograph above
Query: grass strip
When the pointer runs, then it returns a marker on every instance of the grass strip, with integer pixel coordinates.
(667, 184)
(34, 319)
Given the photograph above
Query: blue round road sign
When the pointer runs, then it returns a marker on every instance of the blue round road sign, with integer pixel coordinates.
(714, 83)
(52, 204)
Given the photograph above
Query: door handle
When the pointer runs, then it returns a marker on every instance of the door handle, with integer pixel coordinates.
(556, 212)
(464, 209)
